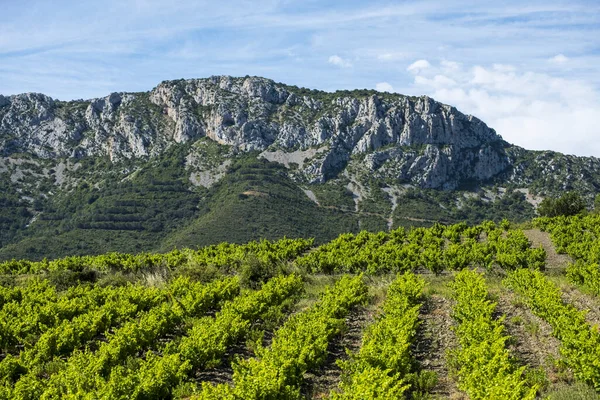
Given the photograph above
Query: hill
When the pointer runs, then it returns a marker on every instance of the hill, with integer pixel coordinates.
(198, 161)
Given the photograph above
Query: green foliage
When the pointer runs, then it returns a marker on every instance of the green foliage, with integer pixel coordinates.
(436, 249)
(119, 305)
(577, 236)
(14, 212)
(334, 193)
(571, 203)
(81, 372)
(299, 345)
(483, 364)
(423, 207)
(136, 205)
(597, 203)
(37, 307)
(568, 173)
(117, 214)
(206, 343)
(226, 257)
(67, 278)
(580, 343)
(80, 326)
(256, 199)
(384, 367)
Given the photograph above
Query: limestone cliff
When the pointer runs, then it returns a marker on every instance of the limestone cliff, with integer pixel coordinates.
(409, 139)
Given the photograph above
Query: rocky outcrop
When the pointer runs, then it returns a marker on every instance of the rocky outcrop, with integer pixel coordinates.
(410, 139)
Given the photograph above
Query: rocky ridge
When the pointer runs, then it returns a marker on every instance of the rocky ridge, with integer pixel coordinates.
(198, 161)
(409, 139)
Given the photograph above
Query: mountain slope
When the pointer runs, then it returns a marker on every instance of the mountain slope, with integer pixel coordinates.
(173, 167)
(257, 199)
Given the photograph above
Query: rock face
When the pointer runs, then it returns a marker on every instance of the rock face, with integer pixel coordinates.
(406, 139)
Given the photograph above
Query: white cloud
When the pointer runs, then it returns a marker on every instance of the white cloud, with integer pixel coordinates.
(418, 66)
(339, 61)
(559, 59)
(533, 110)
(384, 87)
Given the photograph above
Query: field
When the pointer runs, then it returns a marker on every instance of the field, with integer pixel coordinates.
(491, 311)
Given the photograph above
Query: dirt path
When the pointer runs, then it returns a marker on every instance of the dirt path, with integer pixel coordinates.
(532, 341)
(357, 194)
(571, 294)
(553, 259)
(394, 200)
(318, 384)
(393, 194)
(434, 338)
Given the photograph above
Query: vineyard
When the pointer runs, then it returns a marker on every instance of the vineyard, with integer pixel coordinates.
(458, 311)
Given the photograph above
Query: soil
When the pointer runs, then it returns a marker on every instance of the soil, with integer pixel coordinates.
(531, 341)
(318, 384)
(553, 259)
(223, 373)
(434, 338)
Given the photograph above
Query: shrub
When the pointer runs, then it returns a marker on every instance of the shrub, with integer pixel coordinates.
(570, 203)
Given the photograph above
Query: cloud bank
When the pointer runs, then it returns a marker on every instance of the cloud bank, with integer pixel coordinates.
(534, 110)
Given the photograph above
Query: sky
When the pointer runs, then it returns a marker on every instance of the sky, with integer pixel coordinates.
(529, 69)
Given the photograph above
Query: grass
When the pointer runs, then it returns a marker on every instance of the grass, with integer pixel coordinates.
(532, 327)
(315, 285)
(438, 284)
(576, 391)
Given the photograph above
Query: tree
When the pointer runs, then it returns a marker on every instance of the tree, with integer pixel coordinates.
(571, 203)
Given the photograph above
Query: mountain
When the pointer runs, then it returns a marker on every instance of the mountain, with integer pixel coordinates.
(199, 161)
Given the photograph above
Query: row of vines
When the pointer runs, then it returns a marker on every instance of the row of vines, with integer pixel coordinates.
(579, 237)
(138, 341)
(438, 248)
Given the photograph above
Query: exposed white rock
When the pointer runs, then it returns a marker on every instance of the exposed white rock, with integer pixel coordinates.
(298, 157)
(209, 177)
(410, 140)
(531, 198)
(311, 195)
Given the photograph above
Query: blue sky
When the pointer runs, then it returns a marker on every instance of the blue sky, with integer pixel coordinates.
(530, 69)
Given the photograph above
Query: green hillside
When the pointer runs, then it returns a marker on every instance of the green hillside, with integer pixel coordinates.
(256, 199)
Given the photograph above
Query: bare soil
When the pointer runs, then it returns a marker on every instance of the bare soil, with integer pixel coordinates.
(434, 338)
(531, 341)
(553, 259)
(318, 384)
(223, 373)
